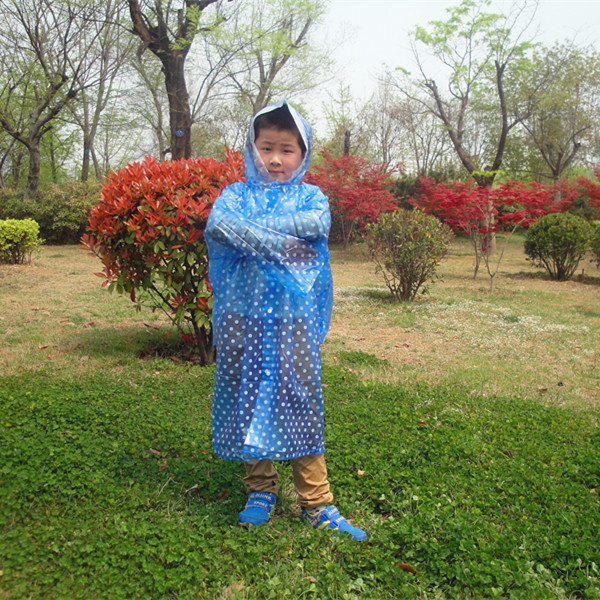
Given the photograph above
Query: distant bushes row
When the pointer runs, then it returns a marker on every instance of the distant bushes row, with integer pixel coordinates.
(61, 211)
(408, 245)
(557, 242)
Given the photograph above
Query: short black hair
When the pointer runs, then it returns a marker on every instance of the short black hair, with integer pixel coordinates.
(281, 118)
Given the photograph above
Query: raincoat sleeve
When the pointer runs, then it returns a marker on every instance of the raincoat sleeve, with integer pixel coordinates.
(311, 223)
(285, 246)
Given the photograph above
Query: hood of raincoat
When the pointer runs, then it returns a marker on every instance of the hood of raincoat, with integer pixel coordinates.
(256, 171)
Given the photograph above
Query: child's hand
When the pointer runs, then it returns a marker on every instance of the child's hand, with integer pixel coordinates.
(298, 253)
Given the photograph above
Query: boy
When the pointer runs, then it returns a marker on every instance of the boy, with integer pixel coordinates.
(270, 274)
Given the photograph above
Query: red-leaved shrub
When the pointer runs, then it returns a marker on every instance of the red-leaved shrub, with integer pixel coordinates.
(148, 231)
(591, 189)
(358, 191)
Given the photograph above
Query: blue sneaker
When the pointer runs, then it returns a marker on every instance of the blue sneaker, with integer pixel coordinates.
(258, 508)
(330, 518)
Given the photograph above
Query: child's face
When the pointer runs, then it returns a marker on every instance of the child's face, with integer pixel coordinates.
(280, 151)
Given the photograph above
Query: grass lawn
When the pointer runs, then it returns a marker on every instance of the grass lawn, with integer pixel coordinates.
(462, 434)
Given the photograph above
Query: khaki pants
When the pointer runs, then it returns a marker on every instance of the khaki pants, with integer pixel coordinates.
(310, 479)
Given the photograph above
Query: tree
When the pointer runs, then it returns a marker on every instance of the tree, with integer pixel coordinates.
(591, 189)
(150, 104)
(561, 124)
(357, 191)
(273, 51)
(120, 137)
(478, 51)
(169, 33)
(384, 116)
(481, 213)
(6, 153)
(48, 56)
(425, 139)
(347, 134)
(115, 51)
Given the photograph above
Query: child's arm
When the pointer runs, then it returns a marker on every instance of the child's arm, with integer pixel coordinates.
(310, 223)
(291, 260)
(228, 227)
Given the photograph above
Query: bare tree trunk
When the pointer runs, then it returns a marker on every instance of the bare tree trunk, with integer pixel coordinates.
(180, 118)
(33, 178)
(347, 135)
(85, 165)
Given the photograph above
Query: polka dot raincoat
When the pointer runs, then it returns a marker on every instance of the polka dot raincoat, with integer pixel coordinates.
(269, 269)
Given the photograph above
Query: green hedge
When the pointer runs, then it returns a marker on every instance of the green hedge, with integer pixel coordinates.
(61, 211)
(18, 240)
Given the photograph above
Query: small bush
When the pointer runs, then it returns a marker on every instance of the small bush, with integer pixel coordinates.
(595, 243)
(407, 247)
(148, 231)
(61, 211)
(18, 240)
(557, 242)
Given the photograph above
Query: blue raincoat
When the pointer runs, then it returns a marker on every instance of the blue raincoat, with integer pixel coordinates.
(269, 270)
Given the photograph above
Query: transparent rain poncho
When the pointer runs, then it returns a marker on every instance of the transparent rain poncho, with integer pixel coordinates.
(269, 269)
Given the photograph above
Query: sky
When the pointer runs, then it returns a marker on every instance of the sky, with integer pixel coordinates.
(376, 32)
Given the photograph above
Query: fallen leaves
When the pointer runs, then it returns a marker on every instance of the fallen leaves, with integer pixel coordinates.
(232, 589)
(406, 567)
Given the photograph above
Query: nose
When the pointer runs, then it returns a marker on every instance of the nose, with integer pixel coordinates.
(275, 160)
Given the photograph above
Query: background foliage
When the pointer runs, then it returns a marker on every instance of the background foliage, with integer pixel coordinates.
(61, 210)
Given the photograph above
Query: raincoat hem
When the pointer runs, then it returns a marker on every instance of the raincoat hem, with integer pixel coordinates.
(247, 457)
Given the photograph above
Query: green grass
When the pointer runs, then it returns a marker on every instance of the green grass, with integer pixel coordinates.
(109, 488)
(482, 497)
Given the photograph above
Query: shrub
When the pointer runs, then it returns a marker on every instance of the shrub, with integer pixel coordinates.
(14, 206)
(18, 240)
(482, 213)
(64, 210)
(407, 247)
(61, 210)
(358, 192)
(589, 202)
(595, 242)
(9, 199)
(148, 231)
(558, 242)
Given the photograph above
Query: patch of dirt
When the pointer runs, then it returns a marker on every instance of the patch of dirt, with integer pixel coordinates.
(533, 337)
